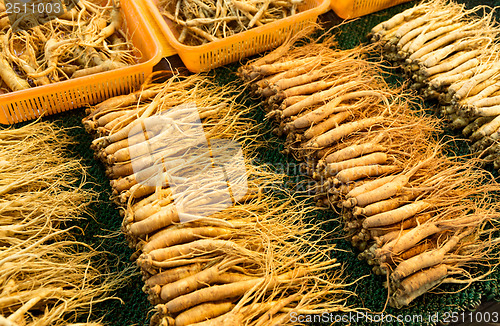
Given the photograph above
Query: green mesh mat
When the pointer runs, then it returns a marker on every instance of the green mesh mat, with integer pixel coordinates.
(101, 229)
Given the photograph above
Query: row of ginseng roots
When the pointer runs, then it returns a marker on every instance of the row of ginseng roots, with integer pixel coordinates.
(46, 277)
(215, 244)
(451, 55)
(418, 216)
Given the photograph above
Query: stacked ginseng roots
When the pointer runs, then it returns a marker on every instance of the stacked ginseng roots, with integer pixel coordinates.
(215, 244)
(416, 215)
(451, 55)
(46, 277)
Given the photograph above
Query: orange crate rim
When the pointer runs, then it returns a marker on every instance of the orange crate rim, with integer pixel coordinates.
(348, 9)
(235, 47)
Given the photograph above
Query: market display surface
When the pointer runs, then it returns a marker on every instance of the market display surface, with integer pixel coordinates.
(326, 192)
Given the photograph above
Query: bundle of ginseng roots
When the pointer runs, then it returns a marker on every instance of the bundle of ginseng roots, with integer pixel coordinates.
(202, 21)
(214, 244)
(451, 55)
(46, 277)
(418, 216)
(88, 38)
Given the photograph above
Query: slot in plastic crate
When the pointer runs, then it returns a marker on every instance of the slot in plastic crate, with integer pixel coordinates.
(74, 93)
(235, 47)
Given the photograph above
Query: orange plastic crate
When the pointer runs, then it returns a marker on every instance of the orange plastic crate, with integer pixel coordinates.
(74, 93)
(233, 48)
(355, 8)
